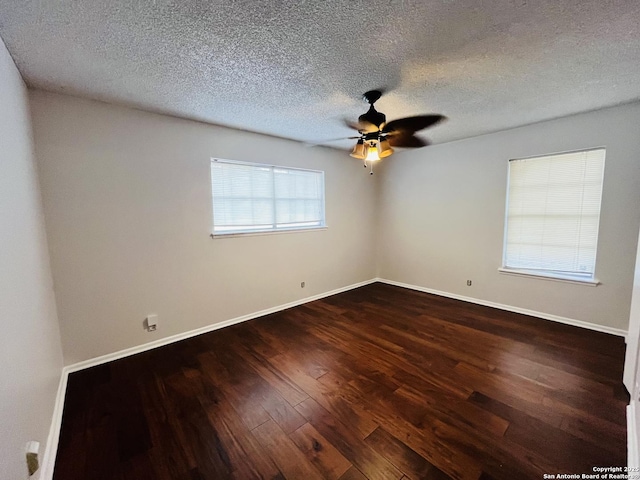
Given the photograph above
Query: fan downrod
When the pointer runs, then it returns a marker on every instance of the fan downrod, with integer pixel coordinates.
(372, 117)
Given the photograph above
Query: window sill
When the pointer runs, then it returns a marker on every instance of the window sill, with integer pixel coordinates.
(266, 232)
(554, 278)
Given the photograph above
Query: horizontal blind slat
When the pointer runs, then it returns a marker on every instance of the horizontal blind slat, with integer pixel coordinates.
(553, 212)
(247, 197)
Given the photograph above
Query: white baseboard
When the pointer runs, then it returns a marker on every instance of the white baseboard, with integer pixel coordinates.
(209, 328)
(51, 449)
(546, 316)
(633, 454)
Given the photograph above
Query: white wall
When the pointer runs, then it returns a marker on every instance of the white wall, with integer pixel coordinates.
(127, 198)
(631, 372)
(30, 350)
(442, 214)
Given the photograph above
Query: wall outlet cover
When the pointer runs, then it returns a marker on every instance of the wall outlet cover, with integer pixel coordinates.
(32, 457)
(151, 322)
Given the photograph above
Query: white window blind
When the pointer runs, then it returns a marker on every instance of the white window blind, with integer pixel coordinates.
(265, 198)
(553, 213)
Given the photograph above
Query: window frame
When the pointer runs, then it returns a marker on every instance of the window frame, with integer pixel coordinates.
(274, 226)
(580, 279)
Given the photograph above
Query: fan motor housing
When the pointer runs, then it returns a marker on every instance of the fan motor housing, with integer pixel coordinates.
(373, 116)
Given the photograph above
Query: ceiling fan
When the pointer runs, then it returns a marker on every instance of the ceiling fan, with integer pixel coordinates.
(376, 137)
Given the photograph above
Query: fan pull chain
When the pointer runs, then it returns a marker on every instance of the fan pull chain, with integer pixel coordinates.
(365, 164)
(371, 173)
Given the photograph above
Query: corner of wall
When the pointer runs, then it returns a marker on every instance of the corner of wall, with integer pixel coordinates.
(32, 329)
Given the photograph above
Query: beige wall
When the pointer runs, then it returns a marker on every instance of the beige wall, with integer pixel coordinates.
(442, 216)
(127, 198)
(30, 351)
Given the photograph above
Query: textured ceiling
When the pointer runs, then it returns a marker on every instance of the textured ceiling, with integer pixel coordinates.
(296, 68)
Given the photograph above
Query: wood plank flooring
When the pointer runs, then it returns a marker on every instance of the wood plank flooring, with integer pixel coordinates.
(375, 383)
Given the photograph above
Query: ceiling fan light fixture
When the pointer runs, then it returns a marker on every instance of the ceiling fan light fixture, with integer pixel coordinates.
(372, 152)
(374, 129)
(384, 149)
(359, 151)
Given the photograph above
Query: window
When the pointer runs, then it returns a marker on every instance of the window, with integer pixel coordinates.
(251, 198)
(553, 212)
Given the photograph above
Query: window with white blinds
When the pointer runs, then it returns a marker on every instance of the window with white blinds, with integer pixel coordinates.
(251, 198)
(553, 212)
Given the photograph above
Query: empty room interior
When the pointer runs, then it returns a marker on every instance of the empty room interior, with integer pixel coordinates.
(199, 279)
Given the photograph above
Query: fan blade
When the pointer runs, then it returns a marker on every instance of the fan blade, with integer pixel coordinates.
(331, 140)
(405, 140)
(350, 124)
(360, 126)
(412, 124)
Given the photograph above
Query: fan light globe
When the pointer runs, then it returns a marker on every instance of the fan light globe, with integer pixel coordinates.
(384, 149)
(372, 153)
(359, 150)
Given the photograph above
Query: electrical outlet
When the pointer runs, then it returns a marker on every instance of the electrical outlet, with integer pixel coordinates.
(469, 283)
(302, 284)
(151, 323)
(32, 457)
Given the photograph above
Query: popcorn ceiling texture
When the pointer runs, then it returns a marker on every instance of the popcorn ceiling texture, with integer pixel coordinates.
(295, 68)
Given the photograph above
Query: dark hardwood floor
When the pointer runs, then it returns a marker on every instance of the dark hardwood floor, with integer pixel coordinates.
(375, 383)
